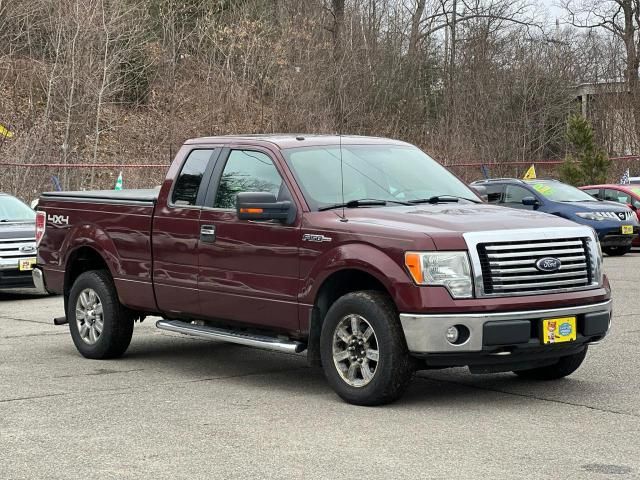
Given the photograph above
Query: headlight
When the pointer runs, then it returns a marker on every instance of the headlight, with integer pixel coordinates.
(448, 269)
(598, 215)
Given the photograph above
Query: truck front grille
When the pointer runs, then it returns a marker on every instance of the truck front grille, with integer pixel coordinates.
(509, 268)
(17, 248)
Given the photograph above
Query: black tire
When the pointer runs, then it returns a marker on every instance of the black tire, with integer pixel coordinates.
(394, 368)
(616, 251)
(562, 368)
(117, 320)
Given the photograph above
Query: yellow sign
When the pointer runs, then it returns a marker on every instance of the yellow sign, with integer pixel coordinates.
(5, 132)
(531, 173)
(558, 330)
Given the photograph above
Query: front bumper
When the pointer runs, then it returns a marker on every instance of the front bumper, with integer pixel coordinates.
(613, 237)
(500, 332)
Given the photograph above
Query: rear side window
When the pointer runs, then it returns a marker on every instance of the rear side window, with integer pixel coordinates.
(187, 186)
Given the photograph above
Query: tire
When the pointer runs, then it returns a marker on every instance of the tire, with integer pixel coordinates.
(616, 251)
(365, 381)
(562, 368)
(112, 339)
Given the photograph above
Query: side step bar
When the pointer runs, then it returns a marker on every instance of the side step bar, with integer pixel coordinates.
(232, 336)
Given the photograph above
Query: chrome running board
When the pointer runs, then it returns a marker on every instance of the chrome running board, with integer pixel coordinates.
(232, 336)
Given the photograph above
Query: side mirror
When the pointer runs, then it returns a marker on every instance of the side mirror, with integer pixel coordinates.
(262, 206)
(530, 202)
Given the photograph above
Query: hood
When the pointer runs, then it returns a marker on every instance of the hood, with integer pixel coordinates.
(445, 223)
(9, 231)
(597, 206)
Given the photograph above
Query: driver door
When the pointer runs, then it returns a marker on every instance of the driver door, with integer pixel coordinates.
(248, 270)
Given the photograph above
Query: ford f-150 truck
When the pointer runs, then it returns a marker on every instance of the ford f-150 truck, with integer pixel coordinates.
(364, 252)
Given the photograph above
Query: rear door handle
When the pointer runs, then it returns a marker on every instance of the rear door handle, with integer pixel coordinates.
(208, 233)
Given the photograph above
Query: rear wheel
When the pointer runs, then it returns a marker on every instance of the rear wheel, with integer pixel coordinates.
(363, 350)
(100, 326)
(562, 368)
(616, 251)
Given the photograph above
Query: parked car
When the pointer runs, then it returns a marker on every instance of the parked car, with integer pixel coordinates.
(393, 266)
(626, 194)
(615, 224)
(17, 243)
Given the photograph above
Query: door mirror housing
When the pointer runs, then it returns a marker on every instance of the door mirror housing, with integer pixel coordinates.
(530, 202)
(481, 191)
(262, 206)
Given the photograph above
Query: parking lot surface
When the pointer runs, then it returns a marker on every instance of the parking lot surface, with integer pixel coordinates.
(178, 407)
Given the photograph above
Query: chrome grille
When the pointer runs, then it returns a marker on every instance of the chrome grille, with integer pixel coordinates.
(509, 268)
(11, 248)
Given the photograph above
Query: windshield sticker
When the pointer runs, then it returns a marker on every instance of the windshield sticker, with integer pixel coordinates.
(545, 190)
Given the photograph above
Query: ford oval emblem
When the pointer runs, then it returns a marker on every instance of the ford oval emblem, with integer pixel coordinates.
(548, 264)
(27, 249)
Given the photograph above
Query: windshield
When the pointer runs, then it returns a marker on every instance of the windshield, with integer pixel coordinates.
(561, 192)
(382, 172)
(13, 210)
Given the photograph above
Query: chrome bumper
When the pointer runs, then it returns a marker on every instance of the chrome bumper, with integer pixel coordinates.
(426, 333)
(38, 280)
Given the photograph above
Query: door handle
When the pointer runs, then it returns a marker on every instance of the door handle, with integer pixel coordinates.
(208, 233)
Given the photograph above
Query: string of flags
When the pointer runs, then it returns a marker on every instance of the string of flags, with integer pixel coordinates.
(118, 182)
(624, 180)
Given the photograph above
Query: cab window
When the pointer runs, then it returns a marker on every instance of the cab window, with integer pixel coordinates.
(187, 185)
(616, 196)
(515, 194)
(248, 171)
(494, 193)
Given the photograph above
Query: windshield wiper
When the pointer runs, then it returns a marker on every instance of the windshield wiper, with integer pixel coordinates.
(441, 199)
(364, 202)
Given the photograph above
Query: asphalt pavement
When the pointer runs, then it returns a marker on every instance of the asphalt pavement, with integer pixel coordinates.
(176, 407)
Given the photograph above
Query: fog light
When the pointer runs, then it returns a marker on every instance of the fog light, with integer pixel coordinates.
(452, 334)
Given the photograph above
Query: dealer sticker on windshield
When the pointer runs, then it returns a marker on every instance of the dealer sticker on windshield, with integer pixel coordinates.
(558, 330)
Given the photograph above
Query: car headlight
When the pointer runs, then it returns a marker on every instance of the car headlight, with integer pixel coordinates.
(447, 269)
(598, 216)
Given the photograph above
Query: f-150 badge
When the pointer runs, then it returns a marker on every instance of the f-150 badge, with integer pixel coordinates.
(308, 237)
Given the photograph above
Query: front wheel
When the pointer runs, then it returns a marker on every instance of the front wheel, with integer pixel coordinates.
(100, 326)
(363, 350)
(616, 251)
(562, 368)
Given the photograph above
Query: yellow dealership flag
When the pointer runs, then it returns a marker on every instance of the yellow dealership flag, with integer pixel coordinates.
(531, 173)
(5, 132)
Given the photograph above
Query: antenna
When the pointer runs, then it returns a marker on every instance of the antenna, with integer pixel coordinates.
(344, 217)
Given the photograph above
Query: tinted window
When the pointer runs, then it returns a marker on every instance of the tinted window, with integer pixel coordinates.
(494, 193)
(560, 192)
(185, 191)
(515, 194)
(247, 171)
(594, 192)
(616, 196)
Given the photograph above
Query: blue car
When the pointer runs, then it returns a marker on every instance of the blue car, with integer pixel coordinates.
(615, 224)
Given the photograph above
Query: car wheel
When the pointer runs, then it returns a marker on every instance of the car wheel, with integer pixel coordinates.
(562, 368)
(363, 349)
(100, 326)
(616, 251)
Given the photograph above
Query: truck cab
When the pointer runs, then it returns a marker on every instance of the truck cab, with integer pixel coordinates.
(364, 252)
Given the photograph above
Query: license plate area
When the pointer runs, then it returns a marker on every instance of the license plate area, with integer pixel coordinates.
(26, 264)
(627, 229)
(559, 330)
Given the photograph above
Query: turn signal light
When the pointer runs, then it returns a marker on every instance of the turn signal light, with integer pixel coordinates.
(413, 263)
(251, 210)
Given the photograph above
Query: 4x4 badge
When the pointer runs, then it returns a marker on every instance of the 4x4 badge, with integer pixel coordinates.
(308, 237)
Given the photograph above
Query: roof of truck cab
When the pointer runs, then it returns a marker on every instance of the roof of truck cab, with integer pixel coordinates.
(291, 140)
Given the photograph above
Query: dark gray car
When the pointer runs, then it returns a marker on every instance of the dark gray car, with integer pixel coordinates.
(17, 243)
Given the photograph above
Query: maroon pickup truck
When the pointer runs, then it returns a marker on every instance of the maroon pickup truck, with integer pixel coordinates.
(364, 252)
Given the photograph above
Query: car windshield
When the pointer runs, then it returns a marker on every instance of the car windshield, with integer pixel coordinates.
(13, 210)
(395, 174)
(561, 192)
